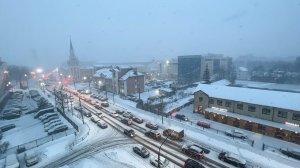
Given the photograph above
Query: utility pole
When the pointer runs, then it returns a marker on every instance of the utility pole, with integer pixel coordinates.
(81, 110)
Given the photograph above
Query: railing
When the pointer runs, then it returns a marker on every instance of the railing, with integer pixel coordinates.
(36, 143)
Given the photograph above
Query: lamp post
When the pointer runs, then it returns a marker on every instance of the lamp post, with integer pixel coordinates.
(158, 155)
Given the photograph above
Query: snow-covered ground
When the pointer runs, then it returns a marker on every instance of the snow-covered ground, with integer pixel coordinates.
(254, 154)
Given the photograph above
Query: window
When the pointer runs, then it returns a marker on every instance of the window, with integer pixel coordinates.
(219, 102)
(200, 99)
(266, 111)
(228, 104)
(211, 101)
(251, 108)
(239, 106)
(261, 127)
(296, 117)
(282, 114)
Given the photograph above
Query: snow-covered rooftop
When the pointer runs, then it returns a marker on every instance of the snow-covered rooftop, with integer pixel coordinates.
(284, 100)
(105, 72)
(130, 73)
(223, 82)
(243, 69)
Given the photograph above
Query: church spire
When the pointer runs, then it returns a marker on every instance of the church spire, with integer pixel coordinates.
(72, 55)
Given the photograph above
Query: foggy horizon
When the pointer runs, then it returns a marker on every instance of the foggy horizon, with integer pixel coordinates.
(36, 33)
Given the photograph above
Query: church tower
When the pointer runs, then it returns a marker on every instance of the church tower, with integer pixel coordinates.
(73, 64)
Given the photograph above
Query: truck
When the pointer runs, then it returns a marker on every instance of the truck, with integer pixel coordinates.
(174, 135)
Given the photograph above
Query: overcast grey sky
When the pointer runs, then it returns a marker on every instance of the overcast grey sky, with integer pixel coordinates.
(36, 32)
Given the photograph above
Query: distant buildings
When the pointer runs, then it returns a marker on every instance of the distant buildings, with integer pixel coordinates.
(3, 76)
(73, 65)
(267, 112)
(169, 69)
(219, 66)
(243, 74)
(189, 69)
(120, 80)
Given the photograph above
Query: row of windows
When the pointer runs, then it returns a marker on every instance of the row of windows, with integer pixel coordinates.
(265, 111)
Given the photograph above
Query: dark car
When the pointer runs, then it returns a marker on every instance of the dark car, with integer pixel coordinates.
(190, 163)
(193, 151)
(103, 99)
(291, 153)
(87, 113)
(105, 104)
(127, 115)
(97, 106)
(141, 150)
(232, 159)
(152, 126)
(126, 121)
(153, 134)
(203, 124)
(7, 127)
(58, 129)
(138, 120)
(120, 112)
(129, 132)
(181, 117)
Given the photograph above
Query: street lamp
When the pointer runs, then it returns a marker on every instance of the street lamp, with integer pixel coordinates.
(39, 70)
(158, 156)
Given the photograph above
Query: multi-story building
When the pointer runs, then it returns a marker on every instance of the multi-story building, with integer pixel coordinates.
(73, 65)
(273, 113)
(217, 64)
(243, 74)
(189, 69)
(169, 69)
(120, 80)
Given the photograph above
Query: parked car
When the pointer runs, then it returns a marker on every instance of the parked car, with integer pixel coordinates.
(87, 113)
(127, 115)
(7, 127)
(44, 111)
(103, 99)
(203, 124)
(163, 162)
(294, 153)
(152, 126)
(57, 129)
(236, 133)
(31, 158)
(181, 117)
(114, 114)
(9, 116)
(51, 122)
(52, 126)
(94, 119)
(48, 116)
(120, 112)
(232, 159)
(11, 161)
(99, 114)
(50, 119)
(193, 151)
(97, 106)
(102, 125)
(153, 134)
(126, 121)
(138, 120)
(141, 150)
(105, 104)
(190, 163)
(129, 132)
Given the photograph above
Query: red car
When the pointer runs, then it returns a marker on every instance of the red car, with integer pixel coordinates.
(203, 124)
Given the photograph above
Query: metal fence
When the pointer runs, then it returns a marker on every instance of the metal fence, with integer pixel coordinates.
(36, 143)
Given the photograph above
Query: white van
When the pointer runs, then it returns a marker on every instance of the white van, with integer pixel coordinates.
(11, 161)
(31, 158)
